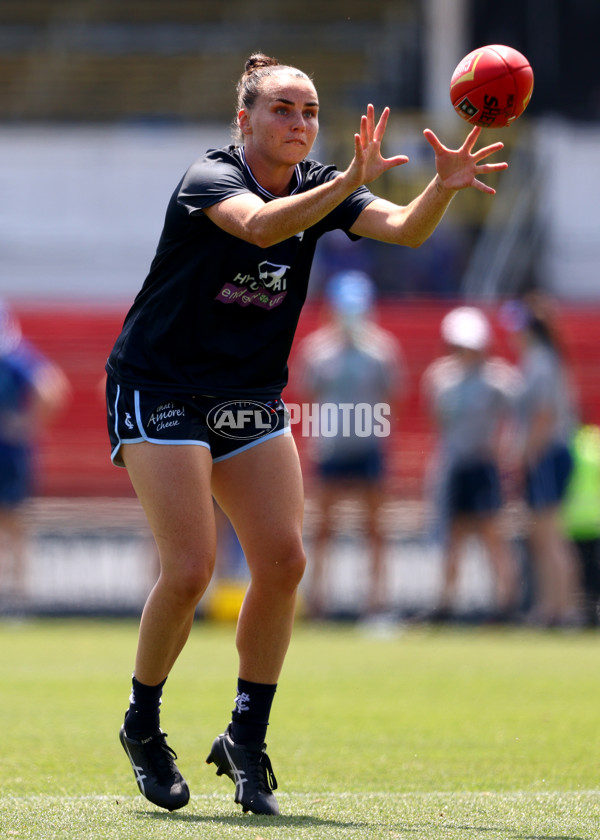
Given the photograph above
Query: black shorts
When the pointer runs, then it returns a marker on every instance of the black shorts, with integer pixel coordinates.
(474, 488)
(225, 427)
(366, 466)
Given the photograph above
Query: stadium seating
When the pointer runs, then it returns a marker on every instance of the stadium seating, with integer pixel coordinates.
(111, 60)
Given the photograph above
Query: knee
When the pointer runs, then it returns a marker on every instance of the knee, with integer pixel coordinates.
(295, 566)
(283, 569)
(188, 579)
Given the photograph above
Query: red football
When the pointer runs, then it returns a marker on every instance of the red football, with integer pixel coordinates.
(491, 86)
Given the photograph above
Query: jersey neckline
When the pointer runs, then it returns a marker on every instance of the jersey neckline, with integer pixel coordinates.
(297, 174)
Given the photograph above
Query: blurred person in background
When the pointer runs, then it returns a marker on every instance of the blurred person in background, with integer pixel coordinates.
(471, 398)
(581, 516)
(547, 420)
(351, 361)
(32, 390)
(214, 321)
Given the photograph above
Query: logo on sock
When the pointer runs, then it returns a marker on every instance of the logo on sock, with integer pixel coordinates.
(242, 702)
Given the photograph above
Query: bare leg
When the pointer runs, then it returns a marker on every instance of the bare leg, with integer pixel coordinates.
(556, 570)
(458, 529)
(372, 497)
(326, 498)
(173, 485)
(261, 492)
(13, 554)
(502, 562)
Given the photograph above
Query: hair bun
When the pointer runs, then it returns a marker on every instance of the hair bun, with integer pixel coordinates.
(259, 60)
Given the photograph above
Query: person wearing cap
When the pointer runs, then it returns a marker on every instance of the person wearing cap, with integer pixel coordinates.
(32, 389)
(547, 423)
(350, 365)
(470, 397)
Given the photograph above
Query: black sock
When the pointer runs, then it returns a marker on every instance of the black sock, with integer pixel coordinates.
(250, 718)
(143, 715)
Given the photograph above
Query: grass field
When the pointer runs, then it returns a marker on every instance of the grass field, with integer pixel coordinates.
(488, 734)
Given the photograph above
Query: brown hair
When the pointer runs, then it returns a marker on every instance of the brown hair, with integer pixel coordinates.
(542, 322)
(258, 67)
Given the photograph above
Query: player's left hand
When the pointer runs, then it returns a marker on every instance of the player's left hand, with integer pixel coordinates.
(459, 168)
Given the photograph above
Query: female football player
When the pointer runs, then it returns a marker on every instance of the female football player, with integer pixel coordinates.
(194, 387)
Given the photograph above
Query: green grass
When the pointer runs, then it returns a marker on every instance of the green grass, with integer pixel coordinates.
(465, 734)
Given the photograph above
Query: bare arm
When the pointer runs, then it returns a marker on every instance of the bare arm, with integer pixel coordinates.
(409, 225)
(265, 223)
(414, 223)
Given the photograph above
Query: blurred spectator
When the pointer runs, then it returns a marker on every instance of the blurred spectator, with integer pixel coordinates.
(32, 389)
(547, 421)
(336, 254)
(581, 516)
(471, 398)
(351, 366)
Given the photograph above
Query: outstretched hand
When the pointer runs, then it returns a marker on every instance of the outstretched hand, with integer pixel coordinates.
(459, 168)
(368, 163)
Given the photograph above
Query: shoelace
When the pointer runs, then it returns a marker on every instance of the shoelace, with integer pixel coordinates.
(163, 756)
(267, 779)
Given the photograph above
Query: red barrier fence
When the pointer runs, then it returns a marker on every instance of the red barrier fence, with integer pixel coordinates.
(74, 453)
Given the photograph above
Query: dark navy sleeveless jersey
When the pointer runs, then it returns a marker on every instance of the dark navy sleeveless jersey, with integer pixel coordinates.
(217, 315)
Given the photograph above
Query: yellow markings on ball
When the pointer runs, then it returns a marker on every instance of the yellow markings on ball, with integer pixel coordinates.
(467, 75)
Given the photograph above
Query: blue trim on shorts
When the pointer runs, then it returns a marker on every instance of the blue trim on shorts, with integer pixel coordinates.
(188, 414)
(159, 441)
(144, 437)
(117, 449)
(286, 431)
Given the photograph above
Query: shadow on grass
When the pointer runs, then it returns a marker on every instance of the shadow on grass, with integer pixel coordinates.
(309, 821)
(243, 820)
